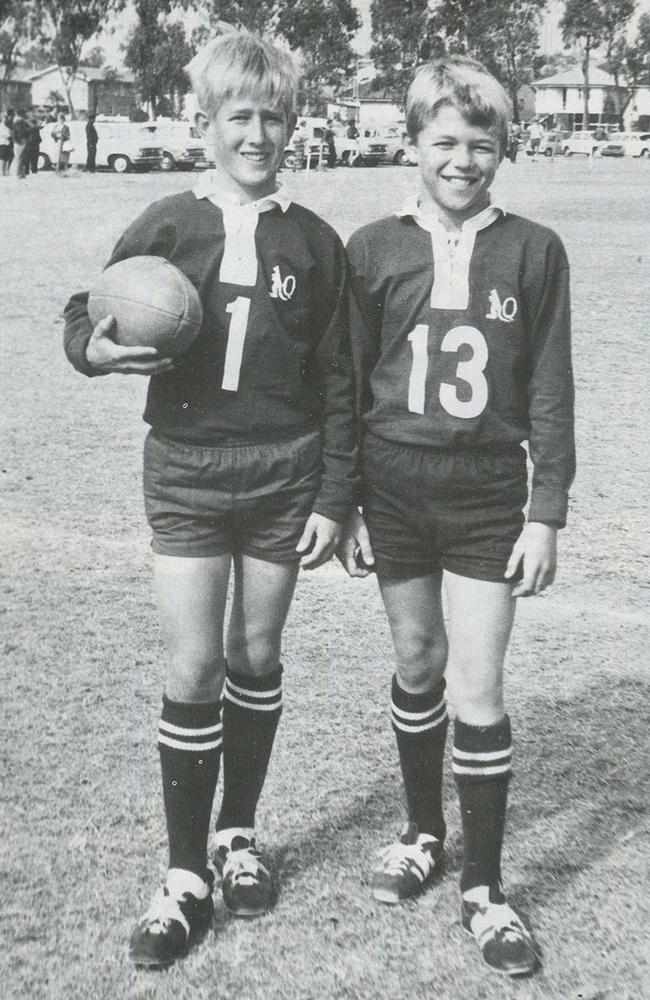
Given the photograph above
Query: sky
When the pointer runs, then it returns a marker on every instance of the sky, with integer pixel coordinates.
(551, 37)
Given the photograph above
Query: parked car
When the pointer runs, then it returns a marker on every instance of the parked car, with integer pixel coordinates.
(585, 143)
(627, 144)
(395, 138)
(183, 146)
(121, 146)
(308, 144)
(552, 144)
(368, 150)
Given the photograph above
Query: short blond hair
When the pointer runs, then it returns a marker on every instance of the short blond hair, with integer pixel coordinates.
(238, 62)
(464, 84)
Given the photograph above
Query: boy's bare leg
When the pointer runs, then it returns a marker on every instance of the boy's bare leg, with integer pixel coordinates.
(191, 595)
(252, 706)
(419, 719)
(481, 614)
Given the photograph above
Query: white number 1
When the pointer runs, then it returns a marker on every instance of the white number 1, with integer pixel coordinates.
(419, 339)
(238, 310)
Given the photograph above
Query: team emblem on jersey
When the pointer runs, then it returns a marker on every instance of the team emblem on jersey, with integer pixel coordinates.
(282, 288)
(506, 310)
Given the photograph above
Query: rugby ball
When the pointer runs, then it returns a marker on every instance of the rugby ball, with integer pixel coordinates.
(153, 304)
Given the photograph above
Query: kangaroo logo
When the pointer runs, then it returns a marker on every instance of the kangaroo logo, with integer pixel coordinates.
(506, 310)
(282, 288)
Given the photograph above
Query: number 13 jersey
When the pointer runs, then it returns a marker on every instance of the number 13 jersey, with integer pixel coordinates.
(464, 343)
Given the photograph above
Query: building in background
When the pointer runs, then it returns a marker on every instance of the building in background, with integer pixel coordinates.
(559, 98)
(102, 91)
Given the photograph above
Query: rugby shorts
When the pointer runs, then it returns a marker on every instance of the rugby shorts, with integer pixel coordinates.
(252, 499)
(428, 510)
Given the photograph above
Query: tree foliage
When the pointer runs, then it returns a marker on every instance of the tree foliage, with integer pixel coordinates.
(403, 37)
(637, 55)
(157, 51)
(15, 22)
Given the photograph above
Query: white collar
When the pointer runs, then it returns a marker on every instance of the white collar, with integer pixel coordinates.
(208, 186)
(432, 223)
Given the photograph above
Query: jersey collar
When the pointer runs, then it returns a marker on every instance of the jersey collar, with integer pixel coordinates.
(208, 187)
(432, 223)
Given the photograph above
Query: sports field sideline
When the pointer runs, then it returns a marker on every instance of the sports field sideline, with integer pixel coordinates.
(82, 832)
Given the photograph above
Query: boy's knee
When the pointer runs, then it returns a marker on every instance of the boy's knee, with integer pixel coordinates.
(194, 675)
(477, 700)
(421, 658)
(255, 656)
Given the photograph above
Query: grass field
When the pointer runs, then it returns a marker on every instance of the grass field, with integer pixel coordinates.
(82, 840)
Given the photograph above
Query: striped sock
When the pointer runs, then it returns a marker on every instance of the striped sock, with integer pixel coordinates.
(252, 707)
(482, 768)
(189, 742)
(420, 723)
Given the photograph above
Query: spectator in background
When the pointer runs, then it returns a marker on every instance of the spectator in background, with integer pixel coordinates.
(513, 142)
(91, 144)
(62, 135)
(352, 131)
(21, 130)
(536, 133)
(5, 145)
(330, 151)
(33, 144)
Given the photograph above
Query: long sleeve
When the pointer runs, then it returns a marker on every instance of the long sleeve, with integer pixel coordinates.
(551, 394)
(335, 375)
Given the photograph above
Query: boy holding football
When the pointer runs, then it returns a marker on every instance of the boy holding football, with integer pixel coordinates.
(249, 465)
(461, 337)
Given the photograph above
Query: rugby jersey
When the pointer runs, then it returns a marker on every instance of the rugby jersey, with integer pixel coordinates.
(464, 343)
(286, 298)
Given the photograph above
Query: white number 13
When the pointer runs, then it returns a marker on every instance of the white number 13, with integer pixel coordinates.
(470, 371)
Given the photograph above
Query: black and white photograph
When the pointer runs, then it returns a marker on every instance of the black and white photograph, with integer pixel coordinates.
(324, 497)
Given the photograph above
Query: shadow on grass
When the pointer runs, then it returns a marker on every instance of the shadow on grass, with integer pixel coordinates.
(581, 788)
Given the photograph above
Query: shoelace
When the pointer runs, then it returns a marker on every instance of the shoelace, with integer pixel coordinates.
(398, 858)
(164, 908)
(244, 863)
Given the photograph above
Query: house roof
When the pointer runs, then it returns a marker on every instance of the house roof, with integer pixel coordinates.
(573, 77)
(87, 73)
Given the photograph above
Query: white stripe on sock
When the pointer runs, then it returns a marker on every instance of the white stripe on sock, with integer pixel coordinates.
(480, 772)
(482, 755)
(183, 731)
(418, 715)
(252, 705)
(178, 745)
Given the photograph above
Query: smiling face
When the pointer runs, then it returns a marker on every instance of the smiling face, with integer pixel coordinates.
(249, 139)
(457, 163)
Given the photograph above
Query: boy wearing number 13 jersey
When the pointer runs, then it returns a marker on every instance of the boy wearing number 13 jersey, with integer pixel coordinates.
(249, 466)
(461, 336)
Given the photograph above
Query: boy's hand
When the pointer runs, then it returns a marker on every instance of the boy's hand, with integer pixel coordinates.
(537, 547)
(319, 540)
(355, 551)
(106, 356)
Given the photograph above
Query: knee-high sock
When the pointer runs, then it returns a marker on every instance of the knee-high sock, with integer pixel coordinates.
(189, 742)
(420, 724)
(482, 768)
(251, 711)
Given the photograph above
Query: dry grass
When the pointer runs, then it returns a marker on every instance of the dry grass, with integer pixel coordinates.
(82, 836)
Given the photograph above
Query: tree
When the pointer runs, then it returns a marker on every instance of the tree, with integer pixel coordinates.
(322, 32)
(582, 25)
(637, 55)
(403, 37)
(504, 35)
(66, 26)
(616, 15)
(16, 18)
(157, 51)
(95, 57)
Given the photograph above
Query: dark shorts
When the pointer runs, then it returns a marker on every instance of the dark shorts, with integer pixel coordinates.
(252, 498)
(5, 153)
(429, 510)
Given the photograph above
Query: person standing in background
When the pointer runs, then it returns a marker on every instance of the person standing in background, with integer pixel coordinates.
(5, 145)
(33, 144)
(20, 131)
(62, 135)
(91, 144)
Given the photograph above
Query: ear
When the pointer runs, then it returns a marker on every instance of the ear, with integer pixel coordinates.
(201, 122)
